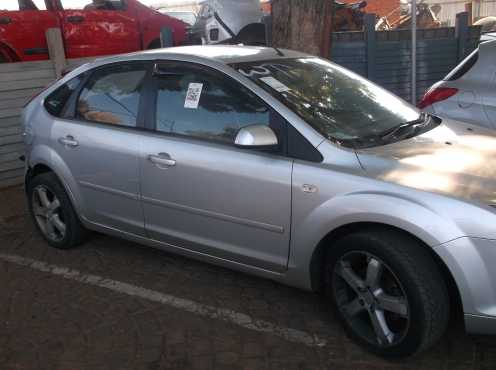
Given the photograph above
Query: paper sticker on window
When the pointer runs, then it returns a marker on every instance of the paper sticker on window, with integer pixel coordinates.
(275, 84)
(193, 95)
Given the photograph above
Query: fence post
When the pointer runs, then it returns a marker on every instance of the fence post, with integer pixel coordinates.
(267, 21)
(56, 50)
(370, 39)
(461, 33)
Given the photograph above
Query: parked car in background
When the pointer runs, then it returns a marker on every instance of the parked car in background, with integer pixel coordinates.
(280, 164)
(95, 27)
(221, 20)
(489, 36)
(468, 93)
(187, 17)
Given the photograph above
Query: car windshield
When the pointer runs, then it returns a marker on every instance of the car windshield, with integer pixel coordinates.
(338, 103)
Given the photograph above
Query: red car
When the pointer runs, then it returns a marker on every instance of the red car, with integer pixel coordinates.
(89, 27)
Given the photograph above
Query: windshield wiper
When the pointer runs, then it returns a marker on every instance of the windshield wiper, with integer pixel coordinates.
(392, 132)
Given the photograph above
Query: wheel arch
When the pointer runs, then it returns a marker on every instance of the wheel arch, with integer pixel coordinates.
(154, 44)
(38, 165)
(324, 247)
(8, 52)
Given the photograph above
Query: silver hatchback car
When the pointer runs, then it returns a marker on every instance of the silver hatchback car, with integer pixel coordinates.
(468, 93)
(282, 165)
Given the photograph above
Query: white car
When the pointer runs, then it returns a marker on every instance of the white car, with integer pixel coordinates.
(468, 93)
(221, 20)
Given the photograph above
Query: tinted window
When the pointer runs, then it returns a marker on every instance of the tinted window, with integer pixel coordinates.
(195, 102)
(112, 95)
(463, 67)
(56, 101)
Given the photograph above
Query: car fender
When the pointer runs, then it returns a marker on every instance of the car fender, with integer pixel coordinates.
(371, 207)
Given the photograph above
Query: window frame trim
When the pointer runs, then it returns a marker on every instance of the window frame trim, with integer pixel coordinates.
(152, 100)
(68, 102)
(70, 113)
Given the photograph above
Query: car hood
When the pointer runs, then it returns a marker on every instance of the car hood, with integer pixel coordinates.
(454, 159)
(238, 14)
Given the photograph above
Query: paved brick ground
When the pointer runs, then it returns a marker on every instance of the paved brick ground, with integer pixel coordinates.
(48, 322)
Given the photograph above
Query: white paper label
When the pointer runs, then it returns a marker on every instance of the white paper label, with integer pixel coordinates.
(193, 95)
(275, 84)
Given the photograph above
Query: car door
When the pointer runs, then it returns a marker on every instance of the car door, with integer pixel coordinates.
(98, 140)
(90, 29)
(201, 192)
(22, 28)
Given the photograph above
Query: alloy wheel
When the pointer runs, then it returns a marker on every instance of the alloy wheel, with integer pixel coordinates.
(48, 213)
(371, 299)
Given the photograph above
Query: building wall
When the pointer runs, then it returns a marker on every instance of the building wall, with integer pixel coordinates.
(449, 9)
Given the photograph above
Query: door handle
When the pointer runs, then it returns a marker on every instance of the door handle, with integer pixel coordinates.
(162, 159)
(68, 141)
(75, 19)
(5, 20)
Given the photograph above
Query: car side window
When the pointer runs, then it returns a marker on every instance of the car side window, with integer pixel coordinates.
(112, 95)
(92, 4)
(57, 100)
(196, 102)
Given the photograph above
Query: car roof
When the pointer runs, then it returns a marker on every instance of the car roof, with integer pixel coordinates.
(226, 54)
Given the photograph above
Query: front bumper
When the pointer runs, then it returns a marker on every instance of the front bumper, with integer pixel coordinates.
(472, 262)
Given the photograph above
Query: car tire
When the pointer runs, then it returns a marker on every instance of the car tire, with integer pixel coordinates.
(53, 213)
(388, 292)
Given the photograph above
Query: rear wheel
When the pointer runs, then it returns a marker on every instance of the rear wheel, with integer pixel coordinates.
(53, 213)
(388, 292)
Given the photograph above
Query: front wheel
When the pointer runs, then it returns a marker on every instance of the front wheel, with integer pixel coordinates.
(388, 292)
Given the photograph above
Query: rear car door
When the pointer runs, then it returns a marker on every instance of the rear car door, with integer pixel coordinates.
(199, 191)
(22, 30)
(91, 29)
(98, 140)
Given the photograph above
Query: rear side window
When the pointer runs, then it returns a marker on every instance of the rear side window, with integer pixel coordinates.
(112, 95)
(463, 67)
(56, 101)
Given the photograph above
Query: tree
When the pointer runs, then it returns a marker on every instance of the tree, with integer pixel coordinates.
(303, 25)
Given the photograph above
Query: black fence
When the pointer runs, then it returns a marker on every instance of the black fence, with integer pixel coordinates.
(385, 57)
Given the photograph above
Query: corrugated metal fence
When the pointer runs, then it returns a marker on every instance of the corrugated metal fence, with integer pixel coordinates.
(385, 57)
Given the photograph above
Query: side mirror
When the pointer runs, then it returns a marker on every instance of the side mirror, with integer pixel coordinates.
(256, 136)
